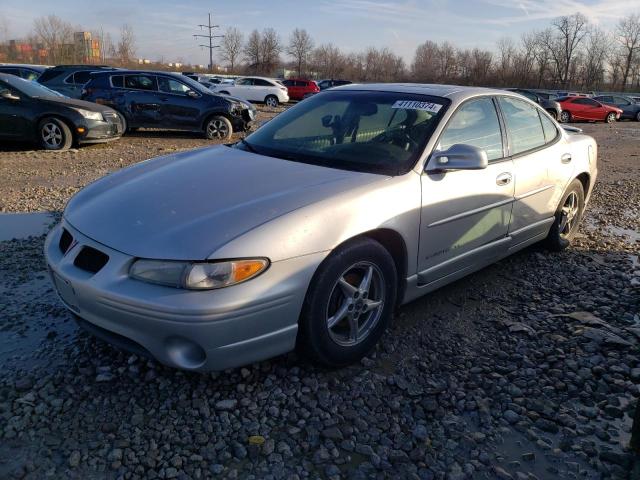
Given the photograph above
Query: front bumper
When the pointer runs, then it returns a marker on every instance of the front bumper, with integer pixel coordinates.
(96, 131)
(191, 330)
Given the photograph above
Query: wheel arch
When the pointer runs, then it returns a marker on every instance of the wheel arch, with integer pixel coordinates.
(209, 116)
(57, 116)
(585, 179)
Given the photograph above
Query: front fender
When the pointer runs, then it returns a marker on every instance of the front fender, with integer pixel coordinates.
(392, 203)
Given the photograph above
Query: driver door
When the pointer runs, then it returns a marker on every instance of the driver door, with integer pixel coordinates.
(14, 123)
(465, 214)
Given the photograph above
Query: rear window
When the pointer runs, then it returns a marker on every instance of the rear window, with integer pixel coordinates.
(82, 77)
(49, 75)
(140, 82)
(117, 81)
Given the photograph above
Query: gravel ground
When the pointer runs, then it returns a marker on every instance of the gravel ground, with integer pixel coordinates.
(527, 369)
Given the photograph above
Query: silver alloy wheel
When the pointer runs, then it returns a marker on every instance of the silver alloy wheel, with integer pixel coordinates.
(217, 129)
(52, 135)
(355, 304)
(611, 118)
(569, 214)
(565, 117)
(272, 102)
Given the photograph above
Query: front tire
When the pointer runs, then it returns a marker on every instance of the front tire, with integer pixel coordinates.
(610, 118)
(218, 128)
(349, 304)
(638, 116)
(54, 134)
(271, 101)
(568, 217)
(565, 117)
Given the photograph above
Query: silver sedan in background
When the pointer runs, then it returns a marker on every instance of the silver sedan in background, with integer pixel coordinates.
(314, 228)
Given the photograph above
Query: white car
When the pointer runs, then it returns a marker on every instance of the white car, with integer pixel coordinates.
(255, 89)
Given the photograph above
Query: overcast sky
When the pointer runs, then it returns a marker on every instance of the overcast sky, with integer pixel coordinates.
(164, 28)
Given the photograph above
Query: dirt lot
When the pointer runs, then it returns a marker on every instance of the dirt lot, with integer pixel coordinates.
(527, 369)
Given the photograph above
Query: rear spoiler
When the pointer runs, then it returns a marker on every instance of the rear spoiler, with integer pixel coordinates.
(571, 129)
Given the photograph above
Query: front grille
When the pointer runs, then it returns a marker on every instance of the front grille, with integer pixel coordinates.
(91, 260)
(66, 239)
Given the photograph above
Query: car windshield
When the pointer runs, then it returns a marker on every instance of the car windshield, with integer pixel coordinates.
(377, 132)
(31, 88)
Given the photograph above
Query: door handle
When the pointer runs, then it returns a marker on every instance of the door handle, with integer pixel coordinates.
(503, 179)
(566, 158)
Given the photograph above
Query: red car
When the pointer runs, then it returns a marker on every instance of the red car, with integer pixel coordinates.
(299, 88)
(583, 108)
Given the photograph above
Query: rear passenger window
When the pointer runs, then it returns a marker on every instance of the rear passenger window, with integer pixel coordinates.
(523, 125)
(117, 81)
(140, 82)
(475, 123)
(80, 78)
(549, 128)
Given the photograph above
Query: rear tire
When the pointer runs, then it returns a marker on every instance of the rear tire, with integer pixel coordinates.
(271, 101)
(218, 128)
(553, 114)
(125, 124)
(638, 116)
(54, 134)
(568, 217)
(610, 118)
(565, 117)
(343, 315)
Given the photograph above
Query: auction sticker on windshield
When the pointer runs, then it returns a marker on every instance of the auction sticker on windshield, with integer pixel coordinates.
(415, 105)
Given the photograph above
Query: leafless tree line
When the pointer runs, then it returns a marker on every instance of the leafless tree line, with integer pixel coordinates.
(570, 53)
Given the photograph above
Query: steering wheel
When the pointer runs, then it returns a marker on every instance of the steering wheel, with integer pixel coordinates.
(396, 137)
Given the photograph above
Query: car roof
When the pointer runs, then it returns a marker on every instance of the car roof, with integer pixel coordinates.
(37, 68)
(453, 92)
(138, 72)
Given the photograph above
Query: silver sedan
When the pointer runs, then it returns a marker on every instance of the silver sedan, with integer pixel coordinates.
(312, 230)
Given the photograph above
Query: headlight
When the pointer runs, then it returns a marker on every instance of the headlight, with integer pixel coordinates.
(89, 114)
(197, 275)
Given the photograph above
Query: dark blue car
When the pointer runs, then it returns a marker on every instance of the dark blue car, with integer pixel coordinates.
(170, 101)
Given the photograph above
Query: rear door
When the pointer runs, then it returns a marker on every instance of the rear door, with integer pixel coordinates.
(465, 213)
(539, 165)
(141, 97)
(177, 108)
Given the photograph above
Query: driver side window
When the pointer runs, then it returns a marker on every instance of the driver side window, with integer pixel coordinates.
(475, 123)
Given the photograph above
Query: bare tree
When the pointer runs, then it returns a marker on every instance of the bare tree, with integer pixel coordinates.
(594, 63)
(570, 32)
(628, 33)
(252, 52)
(328, 61)
(423, 68)
(300, 48)
(126, 44)
(270, 49)
(231, 47)
(54, 33)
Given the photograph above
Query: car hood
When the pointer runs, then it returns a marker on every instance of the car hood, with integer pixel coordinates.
(186, 206)
(73, 103)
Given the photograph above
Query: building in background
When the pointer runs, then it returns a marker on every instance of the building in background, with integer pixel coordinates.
(86, 49)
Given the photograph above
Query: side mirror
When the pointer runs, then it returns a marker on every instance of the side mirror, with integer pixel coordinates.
(458, 157)
(9, 96)
(193, 94)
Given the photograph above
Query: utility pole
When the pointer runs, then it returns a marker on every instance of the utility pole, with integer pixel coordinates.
(210, 36)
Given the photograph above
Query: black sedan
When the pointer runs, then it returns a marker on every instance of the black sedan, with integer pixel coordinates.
(630, 109)
(32, 112)
(146, 99)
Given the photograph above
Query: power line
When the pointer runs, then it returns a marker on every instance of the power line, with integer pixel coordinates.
(210, 36)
